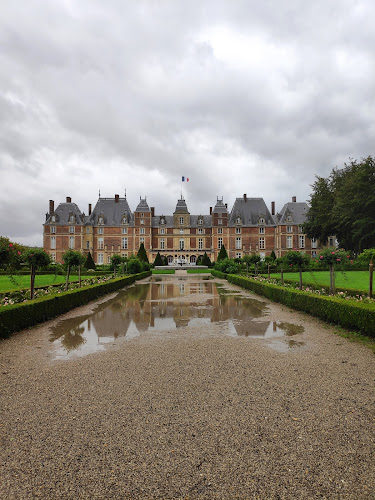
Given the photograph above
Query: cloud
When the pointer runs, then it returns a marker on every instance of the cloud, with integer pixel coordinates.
(253, 97)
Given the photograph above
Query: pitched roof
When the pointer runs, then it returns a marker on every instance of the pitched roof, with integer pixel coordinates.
(142, 206)
(63, 211)
(111, 211)
(250, 210)
(181, 206)
(220, 207)
(297, 210)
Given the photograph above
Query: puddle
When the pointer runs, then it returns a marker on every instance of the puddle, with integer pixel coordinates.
(165, 305)
(285, 345)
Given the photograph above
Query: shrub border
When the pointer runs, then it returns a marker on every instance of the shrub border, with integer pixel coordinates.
(19, 316)
(348, 314)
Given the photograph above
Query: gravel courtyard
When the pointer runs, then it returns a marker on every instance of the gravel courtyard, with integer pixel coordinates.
(193, 412)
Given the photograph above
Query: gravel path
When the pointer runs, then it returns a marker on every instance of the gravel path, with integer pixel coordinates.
(192, 414)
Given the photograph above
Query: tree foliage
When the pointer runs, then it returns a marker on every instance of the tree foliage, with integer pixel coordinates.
(158, 260)
(89, 264)
(36, 258)
(344, 205)
(222, 254)
(142, 254)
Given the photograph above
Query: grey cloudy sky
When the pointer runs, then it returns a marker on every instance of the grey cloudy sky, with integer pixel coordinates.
(241, 97)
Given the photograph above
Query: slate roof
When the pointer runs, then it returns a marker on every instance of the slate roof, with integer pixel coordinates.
(193, 221)
(62, 213)
(181, 206)
(155, 222)
(143, 206)
(220, 208)
(298, 211)
(112, 212)
(250, 211)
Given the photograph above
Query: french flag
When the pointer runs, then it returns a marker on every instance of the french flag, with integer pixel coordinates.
(185, 179)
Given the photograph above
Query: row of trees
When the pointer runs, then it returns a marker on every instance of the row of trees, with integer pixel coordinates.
(343, 205)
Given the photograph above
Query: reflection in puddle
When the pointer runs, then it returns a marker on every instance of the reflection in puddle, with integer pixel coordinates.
(285, 346)
(164, 305)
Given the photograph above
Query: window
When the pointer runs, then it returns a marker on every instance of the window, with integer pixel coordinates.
(71, 229)
(238, 243)
(301, 241)
(331, 242)
(289, 229)
(162, 230)
(87, 229)
(238, 230)
(238, 255)
(100, 243)
(289, 242)
(142, 221)
(300, 229)
(141, 240)
(261, 230)
(181, 231)
(200, 244)
(142, 215)
(71, 218)
(314, 243)
(124, 254)
(100, 258)
(87, 245)
(181, 220)
(124, 243)
(71, 242)
(238, 220)
(53, 229)
(142, 230)
(261, 220)
(53, 257)
(124, 230)
(220, 242)
(220, 222)
(182, 244)
(53, 218)
(53, 242)
(162, 244)
(289, 218)
(219, 230)
(314, 254)
(200, 230)
(262, 244)
(123, 220)
(162, 220)
(200, 221)
(100, 219)
(100, 230)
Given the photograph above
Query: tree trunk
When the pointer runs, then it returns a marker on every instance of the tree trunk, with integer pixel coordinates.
(114, 271)
(332, 288)
(67, 278)
(247, 269)
(282, 275)
(268, 271)
(32, 281)
(300, 277)
(371, 271)
(79, 275)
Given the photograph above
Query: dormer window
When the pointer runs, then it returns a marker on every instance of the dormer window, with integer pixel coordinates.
(71, 218)
(289, 218)
(142, 215)
(162, 220)
(100, 219)
(238, 220)
(200, 221)
(142, 221)
(53, 218)
(261, 220)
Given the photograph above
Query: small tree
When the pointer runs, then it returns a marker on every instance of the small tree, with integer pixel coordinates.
(280, 262)
(115, 262)
(268, 261)
(72, 258)
(35, 258)
(222, 254)
(206, 260)
(296, 258)
(142, 254)
(158, 260)
(253, 259)
(273, 256)
(165, 260)
(332, 257)
(368, 256)
(134, 266)
(89, 264)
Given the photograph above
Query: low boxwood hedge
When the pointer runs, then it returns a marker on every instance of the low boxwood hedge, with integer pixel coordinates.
(19, 316)
(218, 274)
(349, 314)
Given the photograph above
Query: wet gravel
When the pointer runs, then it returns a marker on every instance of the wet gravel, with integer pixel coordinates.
(192, 414)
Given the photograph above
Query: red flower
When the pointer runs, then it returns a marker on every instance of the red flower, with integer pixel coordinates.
(321, 256)
(332, 253)
(19, 253)
(10, 245)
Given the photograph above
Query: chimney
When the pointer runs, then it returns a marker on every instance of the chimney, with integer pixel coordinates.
(68, 199)
(294, 199)
(116, 198)
(89, 208)
(152, 211)
(245, 198)
(210, 210)
(51, 206)
(272, 208)
(226, 205)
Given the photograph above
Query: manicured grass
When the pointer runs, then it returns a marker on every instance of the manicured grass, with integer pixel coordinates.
(358, 280)
(8, 284)
(163, 271)
(198, 271)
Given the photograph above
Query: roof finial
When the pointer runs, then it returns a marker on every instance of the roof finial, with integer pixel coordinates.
(125, 193)
(99, 193)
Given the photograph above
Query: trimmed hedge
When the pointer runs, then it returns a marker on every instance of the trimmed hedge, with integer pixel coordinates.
(354, 315)
(350, 291)
(19, 316)
(218, 274)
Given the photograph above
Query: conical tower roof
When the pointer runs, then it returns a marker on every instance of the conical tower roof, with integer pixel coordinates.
(181, 206)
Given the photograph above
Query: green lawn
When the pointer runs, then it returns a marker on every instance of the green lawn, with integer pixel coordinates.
(163, 271)
(358, 280)
(198, 271)
(23, 281)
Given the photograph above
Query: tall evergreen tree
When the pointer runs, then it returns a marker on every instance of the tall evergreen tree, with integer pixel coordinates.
(89, 264)
(222, 254)
(158, 260)
(142, 254)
